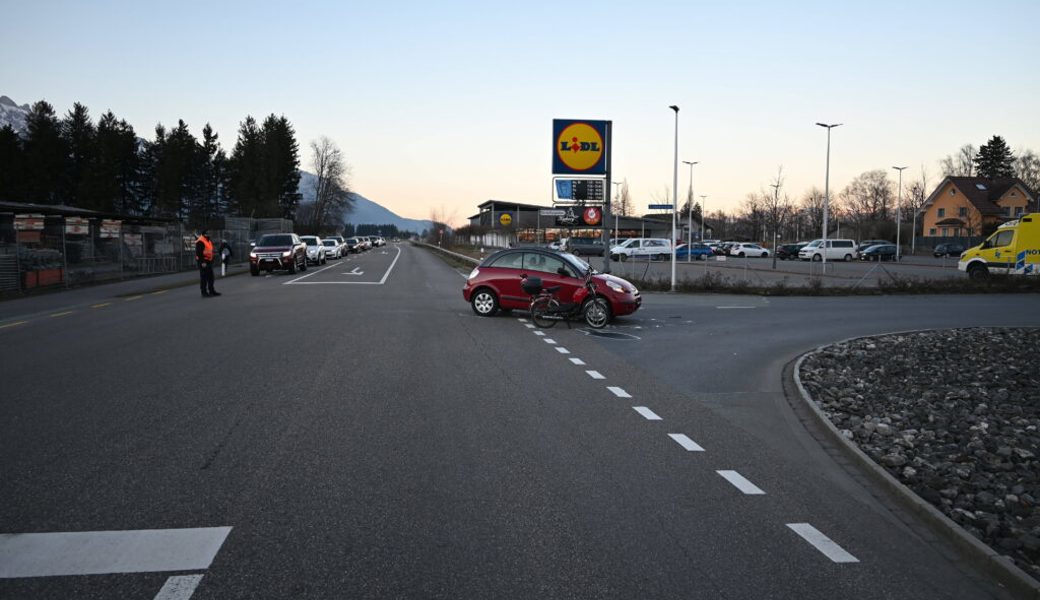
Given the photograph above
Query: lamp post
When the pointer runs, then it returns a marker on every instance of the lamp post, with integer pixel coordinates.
(617, 196)
(899, 211)
(675, 188)
(776, 210)
(704, 213)
(827, 188)
(689, 214)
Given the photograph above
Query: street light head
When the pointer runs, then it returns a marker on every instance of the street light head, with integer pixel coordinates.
(829, 126)
(675, 108)
(898, 168)
(686, 162)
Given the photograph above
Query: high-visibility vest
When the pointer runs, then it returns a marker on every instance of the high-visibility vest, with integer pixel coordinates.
(207, 248)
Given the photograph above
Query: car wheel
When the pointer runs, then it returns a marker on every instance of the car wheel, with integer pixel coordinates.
(484, 302)
(817, 257)
(765, 255)
(622, 257)
(848, 258)
(658, 257)
(254, 271)
(324, 260)
(740, 254)
(292, 267)
(978, 272)
(303, 266)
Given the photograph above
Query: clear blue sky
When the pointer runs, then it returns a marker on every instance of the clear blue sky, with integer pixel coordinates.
(440, 106)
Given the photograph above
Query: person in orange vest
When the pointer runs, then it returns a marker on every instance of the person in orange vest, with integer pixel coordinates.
(204, 255)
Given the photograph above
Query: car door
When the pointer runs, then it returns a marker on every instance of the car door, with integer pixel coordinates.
(506, 276)
(554, 271)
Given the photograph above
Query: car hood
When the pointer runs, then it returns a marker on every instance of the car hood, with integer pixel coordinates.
(272, 248)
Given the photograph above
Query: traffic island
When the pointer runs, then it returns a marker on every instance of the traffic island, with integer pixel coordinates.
(948, 422)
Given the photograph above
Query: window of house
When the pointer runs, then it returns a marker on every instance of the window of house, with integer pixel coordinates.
(931, 231)
(942, 212)
(1019, 210)
(945, 232)
(1007, 211)
(962, 212)
(953, 192)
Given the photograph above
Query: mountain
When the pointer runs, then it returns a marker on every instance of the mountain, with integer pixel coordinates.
(12, 114)
(365, 211)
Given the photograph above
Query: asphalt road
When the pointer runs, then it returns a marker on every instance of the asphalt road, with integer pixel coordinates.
(363, 435)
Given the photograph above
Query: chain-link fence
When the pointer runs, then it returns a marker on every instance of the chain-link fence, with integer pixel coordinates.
(40, 250)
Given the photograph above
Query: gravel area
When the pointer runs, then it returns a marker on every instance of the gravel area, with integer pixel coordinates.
(954, 416)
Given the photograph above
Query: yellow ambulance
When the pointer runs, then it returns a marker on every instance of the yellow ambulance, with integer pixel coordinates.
(1013, 249)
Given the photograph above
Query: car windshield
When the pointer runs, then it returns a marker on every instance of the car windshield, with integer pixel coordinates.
(276, 240)
(577, 263)
(330, 242)
(311, 241)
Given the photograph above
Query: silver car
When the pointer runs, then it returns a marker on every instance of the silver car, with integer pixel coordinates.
(333, 249)
(315, 249)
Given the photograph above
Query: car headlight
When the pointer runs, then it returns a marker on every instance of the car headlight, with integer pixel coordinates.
(473, 273)
(252, 254)
(286, 254)
(617, 287)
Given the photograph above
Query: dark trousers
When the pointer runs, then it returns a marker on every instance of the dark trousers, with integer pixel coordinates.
(206, 278)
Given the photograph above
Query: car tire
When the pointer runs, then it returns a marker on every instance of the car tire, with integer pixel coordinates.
(622, 257)
(484, 302)
(817, 257)
(658, 257)
(740, 254)
(292, 267)
(848, 258)
(765, 255)
(254, 271)
(978, 272)
(303, 267)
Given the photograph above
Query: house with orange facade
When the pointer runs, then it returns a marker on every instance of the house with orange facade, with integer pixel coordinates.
(974, 206)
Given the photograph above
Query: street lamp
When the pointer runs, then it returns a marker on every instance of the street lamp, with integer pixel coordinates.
(689, 214)
(704, 213)
(675, 188)
(617, 196)
(827, 188)
(899, 211)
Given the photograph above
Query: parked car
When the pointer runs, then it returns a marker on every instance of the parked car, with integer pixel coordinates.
(315, 249)
(340, 242)
(879, 252)
(332, 248)
(364, 242)
(723, 248)
(789, 251)
(746, 249)
(695, 251)
(868, 243)
(838, 249)
(495, 283)
(278, 251)
(948, 250)
(353, 245)
(651, 248)
(582, 246)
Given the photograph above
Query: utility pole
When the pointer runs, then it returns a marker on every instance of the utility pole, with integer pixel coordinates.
(899, 212)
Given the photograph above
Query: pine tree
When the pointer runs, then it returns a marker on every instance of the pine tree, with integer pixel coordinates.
(995, 159)
(45, 155)
(79, 137)
(281, 167)
(244, 168)
(12, 158)
(116, 164)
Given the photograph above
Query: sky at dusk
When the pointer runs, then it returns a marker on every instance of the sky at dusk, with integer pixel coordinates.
(441, 106)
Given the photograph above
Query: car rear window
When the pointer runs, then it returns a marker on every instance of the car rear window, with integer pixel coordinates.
(276, 240)
(842, 244)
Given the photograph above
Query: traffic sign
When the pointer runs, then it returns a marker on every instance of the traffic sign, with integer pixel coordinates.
(661, 206)
(551, 212)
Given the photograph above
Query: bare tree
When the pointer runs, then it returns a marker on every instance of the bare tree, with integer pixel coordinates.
(1027, 168)
(777, 207)
(624, 206)
(961, 164)
(866, 201)
(812, 211)
(331, 191)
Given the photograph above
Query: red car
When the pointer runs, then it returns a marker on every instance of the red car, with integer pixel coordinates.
(495, 284)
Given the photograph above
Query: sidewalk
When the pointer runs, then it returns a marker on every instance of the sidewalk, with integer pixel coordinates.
(84, 296)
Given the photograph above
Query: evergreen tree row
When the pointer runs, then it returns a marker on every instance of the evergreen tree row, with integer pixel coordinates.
(104, 166)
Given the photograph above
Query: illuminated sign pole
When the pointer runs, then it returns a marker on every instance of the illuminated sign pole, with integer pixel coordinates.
(584, 148)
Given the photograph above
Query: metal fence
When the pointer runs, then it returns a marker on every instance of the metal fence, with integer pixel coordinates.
(43, 251)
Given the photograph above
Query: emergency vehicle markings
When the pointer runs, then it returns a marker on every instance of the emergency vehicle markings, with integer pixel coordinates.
(818, 540)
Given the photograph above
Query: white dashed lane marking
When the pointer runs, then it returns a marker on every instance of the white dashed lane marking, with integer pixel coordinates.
(529, 326)
(539, 333)
(648, 414)
(563, 350)
(741, 483)
(576, 361)
(822, 543)
(595, 375)
(684, 440)
(522, 320)
(179, 587)
(620, 393)
(549, 341)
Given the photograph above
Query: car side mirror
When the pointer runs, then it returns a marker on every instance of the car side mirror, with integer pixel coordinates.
(562, 271)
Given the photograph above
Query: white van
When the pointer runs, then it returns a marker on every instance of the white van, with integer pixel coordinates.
(652, 248)
(837, 249)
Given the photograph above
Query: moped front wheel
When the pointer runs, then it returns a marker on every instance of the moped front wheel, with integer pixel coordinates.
(541, 308)
(597, 313)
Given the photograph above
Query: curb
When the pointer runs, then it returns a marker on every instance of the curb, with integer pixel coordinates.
(988, 560)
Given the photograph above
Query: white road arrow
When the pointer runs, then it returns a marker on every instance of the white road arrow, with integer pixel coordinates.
(355, 272)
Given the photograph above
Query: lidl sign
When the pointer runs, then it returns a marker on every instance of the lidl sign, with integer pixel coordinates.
(579, 147)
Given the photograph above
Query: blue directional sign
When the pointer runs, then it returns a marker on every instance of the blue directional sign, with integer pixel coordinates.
(661, 206)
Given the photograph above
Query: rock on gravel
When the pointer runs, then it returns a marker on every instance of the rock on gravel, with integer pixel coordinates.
(954, 415)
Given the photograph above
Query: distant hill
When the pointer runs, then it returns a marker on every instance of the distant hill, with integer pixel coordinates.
(12, 114)
(365, 211)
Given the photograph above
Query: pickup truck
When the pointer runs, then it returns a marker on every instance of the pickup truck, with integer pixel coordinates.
(278, 251)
